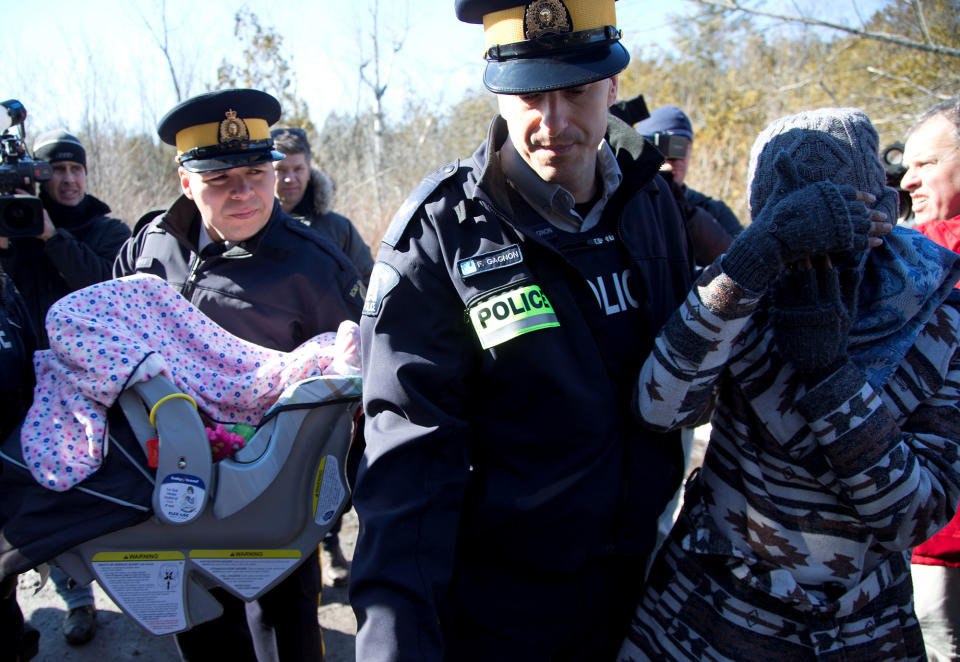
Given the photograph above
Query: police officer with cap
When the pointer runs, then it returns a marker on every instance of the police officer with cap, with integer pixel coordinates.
(229, 248)
(508, 497)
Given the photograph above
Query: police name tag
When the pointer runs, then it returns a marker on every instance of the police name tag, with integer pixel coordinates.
(510, 314)
(498, 259)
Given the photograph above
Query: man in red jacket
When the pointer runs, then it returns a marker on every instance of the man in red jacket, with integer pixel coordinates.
(932, 156)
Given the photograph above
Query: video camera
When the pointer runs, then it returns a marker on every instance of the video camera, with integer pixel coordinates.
(671, 145)
(892, 157)
(20, 215)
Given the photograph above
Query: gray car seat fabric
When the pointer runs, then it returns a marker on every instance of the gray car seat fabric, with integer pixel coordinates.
(242, 524)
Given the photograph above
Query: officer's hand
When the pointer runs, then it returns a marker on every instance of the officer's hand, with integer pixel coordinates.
(800, 220)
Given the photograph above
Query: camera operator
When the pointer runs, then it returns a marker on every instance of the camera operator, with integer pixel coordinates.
(76, 248)
(711, 223)
(79, 241)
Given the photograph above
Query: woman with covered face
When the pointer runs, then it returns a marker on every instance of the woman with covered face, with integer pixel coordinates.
(823, 348)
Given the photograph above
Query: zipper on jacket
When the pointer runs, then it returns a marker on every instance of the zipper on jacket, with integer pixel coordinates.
(191, 280)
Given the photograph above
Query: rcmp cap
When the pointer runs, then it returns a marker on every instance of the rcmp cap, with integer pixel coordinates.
(221, 130)
(546, 45)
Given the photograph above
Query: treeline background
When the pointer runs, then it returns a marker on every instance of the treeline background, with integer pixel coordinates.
(733, 70)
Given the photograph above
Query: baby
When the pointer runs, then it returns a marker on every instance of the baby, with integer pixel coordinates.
(109, 336)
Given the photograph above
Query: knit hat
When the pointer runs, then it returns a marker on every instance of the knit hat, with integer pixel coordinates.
(666, 119)
(58, 145)
(838, 145)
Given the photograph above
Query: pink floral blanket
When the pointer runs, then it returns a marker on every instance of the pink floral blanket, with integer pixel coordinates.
(108, 336)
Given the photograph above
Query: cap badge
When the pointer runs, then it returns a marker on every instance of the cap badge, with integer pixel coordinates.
(545, 17)
(233, 128)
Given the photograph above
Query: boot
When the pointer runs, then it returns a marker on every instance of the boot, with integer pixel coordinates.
(79, 625)
(336, 568)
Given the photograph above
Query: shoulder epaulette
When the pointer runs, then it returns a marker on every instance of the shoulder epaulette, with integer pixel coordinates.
(301, 229)
(416, 199)
(145, 220)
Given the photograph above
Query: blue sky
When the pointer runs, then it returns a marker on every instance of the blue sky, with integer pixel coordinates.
(71, 62)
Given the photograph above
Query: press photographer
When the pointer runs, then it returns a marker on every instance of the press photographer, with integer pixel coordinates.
(711, 224)
(72, 247)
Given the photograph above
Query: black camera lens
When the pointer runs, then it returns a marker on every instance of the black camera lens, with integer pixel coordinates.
(893, 155)
(18, 215)
(671, 145)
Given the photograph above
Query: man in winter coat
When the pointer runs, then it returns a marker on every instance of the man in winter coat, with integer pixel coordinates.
(307, 193)
(76, 248)
(932, 156)
(79, 241)
(712, 224)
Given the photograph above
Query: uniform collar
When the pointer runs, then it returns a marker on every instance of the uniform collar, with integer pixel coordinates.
(552, 201)
(636, 160)
(183, 221)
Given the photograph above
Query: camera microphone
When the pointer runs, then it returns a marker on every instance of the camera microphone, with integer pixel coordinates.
(15, 114)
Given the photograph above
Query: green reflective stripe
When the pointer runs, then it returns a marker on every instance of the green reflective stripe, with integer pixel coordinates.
(510, 314)
(494, 338)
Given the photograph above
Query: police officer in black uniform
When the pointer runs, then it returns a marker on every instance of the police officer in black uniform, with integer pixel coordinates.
(229, 248)
(508, 498)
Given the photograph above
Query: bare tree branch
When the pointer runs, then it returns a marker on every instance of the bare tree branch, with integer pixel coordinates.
(734, 5)
(162, 39)
(907, 81)
(923, 21)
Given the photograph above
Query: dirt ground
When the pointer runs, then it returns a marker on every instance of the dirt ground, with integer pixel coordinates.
(120, 638)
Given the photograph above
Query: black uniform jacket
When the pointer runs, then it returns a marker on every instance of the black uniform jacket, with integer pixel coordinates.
(279, 288)
(519, 459)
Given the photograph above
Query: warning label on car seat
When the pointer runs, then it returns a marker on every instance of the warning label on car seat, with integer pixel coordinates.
(246, 571)
(328, 493)
(147, 585)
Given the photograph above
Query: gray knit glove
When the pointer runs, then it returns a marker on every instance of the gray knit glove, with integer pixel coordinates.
(811, 316)
(797, 221)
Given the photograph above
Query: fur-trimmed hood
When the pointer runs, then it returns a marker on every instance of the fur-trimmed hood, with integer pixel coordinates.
(323, 190)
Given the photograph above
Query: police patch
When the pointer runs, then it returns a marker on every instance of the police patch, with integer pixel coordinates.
(498, 259)
(383, 278)
(510, 314)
